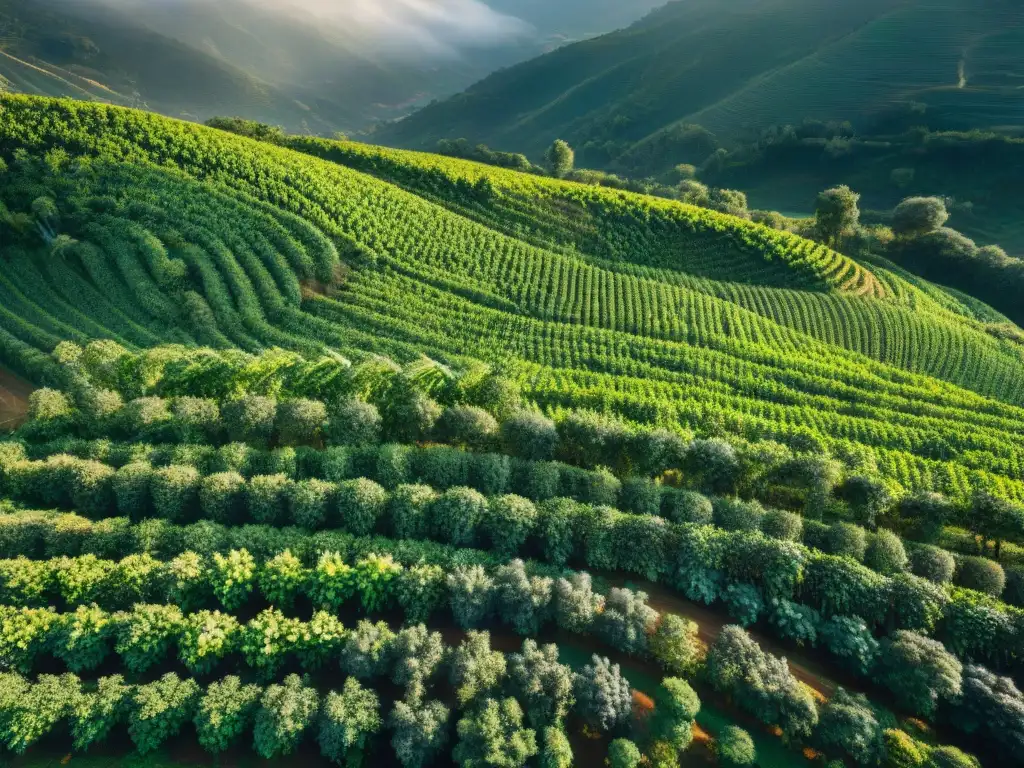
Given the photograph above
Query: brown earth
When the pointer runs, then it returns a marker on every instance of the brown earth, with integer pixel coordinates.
(14, 392)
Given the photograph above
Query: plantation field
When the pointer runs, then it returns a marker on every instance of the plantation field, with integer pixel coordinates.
(327, 435)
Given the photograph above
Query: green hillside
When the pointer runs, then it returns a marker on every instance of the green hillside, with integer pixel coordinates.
(330, 437)
(592, 297)
(737, 68)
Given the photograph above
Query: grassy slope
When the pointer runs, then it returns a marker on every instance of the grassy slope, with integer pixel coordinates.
(762, 62)
(591, 297)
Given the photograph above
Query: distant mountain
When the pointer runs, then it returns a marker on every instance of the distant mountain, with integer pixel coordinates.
(307, 65)
(736, 67)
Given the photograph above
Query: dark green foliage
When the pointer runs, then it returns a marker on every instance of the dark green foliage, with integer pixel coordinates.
(623, 753)
(455, 516)
(676, 707)
(83, 639)
(681, 506)
(348, 720)
(626, 621)
(918, 216)
(508, 523)
(466, 425)
(98, 710)
(836, 214)
(472, 594)
(529, 435)
(603, 697)
(268, 497)
(250, 419)
(309, 503)
(175, 493)
(222, 497)
(712, 465)
(936, 565)
(992, 707)
(918, 671)
(408, 510)
(360, 504)
(782, 525)
(286, 711)
(417, 654)
(738, 515)
(556, 529)
(421, 590)
(493, 735)
(981, 574)
(847, 540)
(197, 420)
(522, 602)
(867, 496)
(353, 422)
(419, 731)
(923, 516)
(760, 683)
(850, 640)
(559, 158)
(160, 709)
(367, 650)
(744, 603)
(408, 414)
(300, 422)
(885, 553)
(541, 683)
(555, 749)
(490, 473)
(536, 480)
(734, 748)
(476, 670)
(640, 496)
(225, 712)
(848, 726)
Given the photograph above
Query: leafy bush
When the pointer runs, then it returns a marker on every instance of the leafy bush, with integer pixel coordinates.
(555, 749)
(207, 637)
(681, 506)
(848, 725)
(640, 496)
(936, 565)
(146, 634)
(408, 510)
(476, 670)
(556, 525)
(508, 523)
(367, 650)
(982, 575)
(31, 712)
(676, 707)
(233, 576)
(353, 422)
(282, 578)
(466, 425)
(626, 621)
(744, 603)
(676, 646)
(734, 748)
(529, 435)
(348, 720)
(738, 515)
(225, 712)
(222, 497)
(286, 711)
(197, 420)
(623, 753)
(309, 503)
(522, 602)
(421, 590)
(918, 671)
(472, 595)
(782, 525)
(417, 654)
(175, 493)
(541, 683)
(603, 696)
(493, 735)
(419, 731)
(300, 421)
(576, 603)
(96, 712)
(847, 540)
(267, 498)
(250, 419)
(160, 710)
(992, 707)
(885, 553)
(455, 516)
(82, 639)
(849, 639)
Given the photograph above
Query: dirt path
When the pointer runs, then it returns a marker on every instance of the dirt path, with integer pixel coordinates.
(14, 392)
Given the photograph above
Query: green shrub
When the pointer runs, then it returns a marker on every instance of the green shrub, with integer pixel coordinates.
(529, 435)
(282, 578)
(267, 498)
(676, 707)
(918, 671)
(333, 582)
(408, 510)
(82, 639)
(268, 639)
(225, 711)
(197, 420)
(205, 638)
(738, 515)
(309, 503)
(490, 473)
(30, 712)
(522, 602)
(508, 523)
(145, 635)
(466, 425)
(361, 504)
(232, 577)
(417, 655)
(353, 422)
(175, 493)
(623, 753)
(475, 670)
(250, 419)
(160, 709)
(626, 621)
(576, 603)
(885, 553)
(493, 735)
(187, 582)
(536, 480)
(472, 595)
(455, 516)
(419, 731)
(98, 710)
(421, 590)
(734, 748)
(286, 711)
(321, 642)
(300, 421)
(555, 749)
(676, 647)
(682, 506)
(846, 540)
(603, 696)
(556, 529)
(222, 497)
(744, 603)
(348, 720)
(367, 650)
(936, 565)
(982, 575)
(640, 496)
(782, 525)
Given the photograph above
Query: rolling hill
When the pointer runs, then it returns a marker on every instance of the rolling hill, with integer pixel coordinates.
(737, 68)
(592, 296)
(345, 424)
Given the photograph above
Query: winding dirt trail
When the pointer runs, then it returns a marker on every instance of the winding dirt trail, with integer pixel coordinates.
(14, 392)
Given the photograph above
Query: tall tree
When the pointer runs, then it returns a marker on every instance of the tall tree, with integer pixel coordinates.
(560, 159)
(837, 214)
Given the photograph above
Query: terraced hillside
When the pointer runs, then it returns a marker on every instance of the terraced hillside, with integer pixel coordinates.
(591, 298)
(326, 434)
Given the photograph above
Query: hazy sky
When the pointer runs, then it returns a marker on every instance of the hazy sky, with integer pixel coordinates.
(435, 26)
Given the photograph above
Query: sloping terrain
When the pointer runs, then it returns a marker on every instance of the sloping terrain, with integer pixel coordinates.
(738, 67)
(660, 312)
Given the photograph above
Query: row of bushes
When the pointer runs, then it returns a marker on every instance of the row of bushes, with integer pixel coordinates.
(510, 594)
(493, 474)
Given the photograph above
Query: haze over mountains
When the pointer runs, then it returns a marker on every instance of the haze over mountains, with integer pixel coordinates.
(310, 65)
